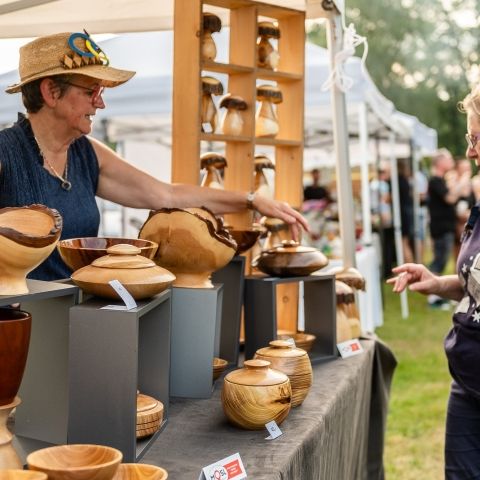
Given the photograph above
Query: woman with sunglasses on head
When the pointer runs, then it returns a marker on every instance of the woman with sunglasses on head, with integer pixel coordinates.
(47, 156)
(462, 344)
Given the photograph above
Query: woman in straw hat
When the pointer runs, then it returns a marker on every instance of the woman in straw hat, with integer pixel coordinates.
(47, 157)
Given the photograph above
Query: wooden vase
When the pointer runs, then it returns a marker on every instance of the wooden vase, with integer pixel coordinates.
(15, 328)
(255, 395)
(138, 471)
(293, 362)
(266, 123)
(76, 462)
(27, 237)
(8, 455)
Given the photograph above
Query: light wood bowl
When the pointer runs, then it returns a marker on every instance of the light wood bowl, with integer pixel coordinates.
(138, 471)
(293, 362)
(76, 462)
(22, 475)
(302, 340)
(219, 365)
(256, 395)
(192, 244)
(80, 252)
(28, 235)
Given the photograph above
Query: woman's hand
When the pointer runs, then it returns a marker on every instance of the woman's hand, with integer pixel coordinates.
(417, 277)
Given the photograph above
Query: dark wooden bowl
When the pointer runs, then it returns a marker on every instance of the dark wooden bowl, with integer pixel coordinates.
(80, 252)
(245, 238)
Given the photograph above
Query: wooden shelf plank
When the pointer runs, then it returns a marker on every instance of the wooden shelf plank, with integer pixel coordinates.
(278, 76)
(219, 137)
(277, 142)
(229, 68)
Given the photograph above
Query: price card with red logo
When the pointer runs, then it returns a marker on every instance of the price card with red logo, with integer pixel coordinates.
(350, 348)
(230, 468)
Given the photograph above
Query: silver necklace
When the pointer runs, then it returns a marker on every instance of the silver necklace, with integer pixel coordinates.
(66, 184)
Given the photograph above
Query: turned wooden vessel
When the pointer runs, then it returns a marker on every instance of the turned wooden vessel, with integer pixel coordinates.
(192, 243)
(267, 55)
(15, 328)
(261, 185)
(245, 238)
(219, 365)
(293, 362)
(22, 475)
(211, 24)
(232, 123)
(255, 395)
(141, 277)
(149, 415)
(351, 276)
(76, 462)
(8, 456)
(80, 252)
(302, 340)
(28, 236)
(209, 115)
(346, 303)
(139, 471)
(266, 123)
(277, 232)
(344, 331)
(214, 164)
(290, 259)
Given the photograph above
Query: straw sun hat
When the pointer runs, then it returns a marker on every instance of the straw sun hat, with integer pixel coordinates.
(66, 53)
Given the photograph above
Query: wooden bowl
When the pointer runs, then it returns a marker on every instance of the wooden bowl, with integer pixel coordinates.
(293, 362)
(76, 462)
(80, 252)
(302, 340)
(22, 475)
(255, 395)
(28, 236)
(139, 471)
(245, 238)
(192, 244)
(219, 365)
(149, 415)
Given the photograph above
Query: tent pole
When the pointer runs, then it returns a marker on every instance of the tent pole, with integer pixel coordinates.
(366, 207)
(397, 221)
(340, 137)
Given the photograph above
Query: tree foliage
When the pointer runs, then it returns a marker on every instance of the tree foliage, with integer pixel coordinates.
(422, 56)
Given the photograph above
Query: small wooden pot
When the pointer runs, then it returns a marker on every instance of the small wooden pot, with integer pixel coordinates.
(219, 365)
(255, 395)
(149, 415)
(15, 328)
(138, 471)
(293, 362)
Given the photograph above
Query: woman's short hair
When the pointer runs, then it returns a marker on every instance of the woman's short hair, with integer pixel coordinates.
(471, 103)
(32, 96)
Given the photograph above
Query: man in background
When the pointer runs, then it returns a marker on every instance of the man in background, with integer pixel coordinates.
(315, 191)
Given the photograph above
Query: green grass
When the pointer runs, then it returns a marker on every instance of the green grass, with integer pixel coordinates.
(416, 421)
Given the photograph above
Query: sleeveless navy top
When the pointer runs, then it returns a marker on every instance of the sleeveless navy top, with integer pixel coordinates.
(24, 181)
(462, 344)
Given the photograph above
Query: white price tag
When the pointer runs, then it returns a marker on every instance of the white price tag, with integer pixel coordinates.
(229, 468)
(124, 295)
(207, 127)
(273, 430)
(350, 348)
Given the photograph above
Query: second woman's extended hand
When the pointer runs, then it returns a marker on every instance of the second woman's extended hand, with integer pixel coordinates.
(416, 277)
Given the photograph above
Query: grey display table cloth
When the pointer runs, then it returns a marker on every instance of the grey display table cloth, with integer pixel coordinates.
(336, 434)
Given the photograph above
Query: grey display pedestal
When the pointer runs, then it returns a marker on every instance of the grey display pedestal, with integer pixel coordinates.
(196, 314)
(319, 307)
(112, 353)
(232, 276)
(43, 413)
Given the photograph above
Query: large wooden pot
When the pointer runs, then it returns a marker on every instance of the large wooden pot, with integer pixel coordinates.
(255, 395)
(139, 275)
(27, 237)
(15, 327)
(192, 244)
(76, 462)
(293, 362)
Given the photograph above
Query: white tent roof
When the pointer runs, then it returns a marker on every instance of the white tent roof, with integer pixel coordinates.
(149, 93)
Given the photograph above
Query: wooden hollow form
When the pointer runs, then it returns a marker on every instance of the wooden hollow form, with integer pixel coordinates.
(232, 123)
(8, 455)
(192, 244)
(219, 365)
(137, 471)
(27, 237)
(293, 362)
(22, 475)
(245, 238)
(266, 123)
(149, 415)
(255, 395)
(76, 462)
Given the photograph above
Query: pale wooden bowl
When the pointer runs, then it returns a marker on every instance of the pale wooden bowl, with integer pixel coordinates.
(22, 475)
(302, 340)
(28, 236)
(192, 244)
(80, 252)
(139, 471)
(76, 462)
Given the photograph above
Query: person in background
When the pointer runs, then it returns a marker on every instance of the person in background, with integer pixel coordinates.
(462, 343)
(421, 182)
(442, 198)
(48, 157)
(406, 209)
(315, 191)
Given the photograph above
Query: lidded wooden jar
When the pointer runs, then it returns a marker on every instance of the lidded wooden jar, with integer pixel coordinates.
(293, 362)
(139, 275)
(255, 395)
